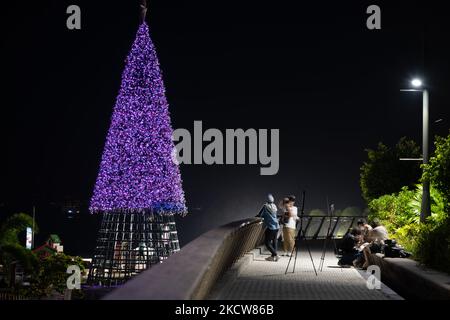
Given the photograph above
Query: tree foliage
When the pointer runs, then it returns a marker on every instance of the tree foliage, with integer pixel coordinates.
(11, 249)
(433, 246)
(51, 275)
(15, 224)
(383, 173)
(400, 213)
(400, 209)
(438, 168)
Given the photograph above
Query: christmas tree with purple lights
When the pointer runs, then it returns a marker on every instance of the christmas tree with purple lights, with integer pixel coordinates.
(138, 188)
(137, 173)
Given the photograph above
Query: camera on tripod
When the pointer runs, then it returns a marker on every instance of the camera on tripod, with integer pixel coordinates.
(299, 237)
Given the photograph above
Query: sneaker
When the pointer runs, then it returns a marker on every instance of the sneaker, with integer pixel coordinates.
(276, 258)
(271, 258)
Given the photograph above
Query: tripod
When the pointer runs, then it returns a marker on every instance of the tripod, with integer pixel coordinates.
(330, 211)
(300, 236)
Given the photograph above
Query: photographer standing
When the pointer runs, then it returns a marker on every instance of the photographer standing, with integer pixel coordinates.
(269, 215)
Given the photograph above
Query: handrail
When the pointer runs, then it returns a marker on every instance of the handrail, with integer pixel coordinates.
(336, 233)
(192, 272)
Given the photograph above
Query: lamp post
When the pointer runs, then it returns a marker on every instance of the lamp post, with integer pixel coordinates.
(425, 210)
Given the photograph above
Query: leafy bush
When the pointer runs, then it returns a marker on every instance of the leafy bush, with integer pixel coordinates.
(438, 168)
(51, 276)
(433, 245)
(394, 210)
(400, 213)
(11, 248)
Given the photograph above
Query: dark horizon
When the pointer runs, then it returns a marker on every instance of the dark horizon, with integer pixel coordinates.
(314, 71)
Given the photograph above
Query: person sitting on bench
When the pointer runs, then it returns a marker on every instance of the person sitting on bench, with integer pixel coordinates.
(376, 238)
(349, 247)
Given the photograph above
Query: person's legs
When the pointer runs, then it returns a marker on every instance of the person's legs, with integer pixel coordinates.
(291, 239)
(275, 242)
(286, 240)
(347, 259)
(269, 236)
(366, 253)
(280, 233)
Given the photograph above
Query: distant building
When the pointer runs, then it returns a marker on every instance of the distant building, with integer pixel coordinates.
(71, 208)
(52, 246)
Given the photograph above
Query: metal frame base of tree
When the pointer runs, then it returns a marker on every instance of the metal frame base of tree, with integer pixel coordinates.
(129, 243)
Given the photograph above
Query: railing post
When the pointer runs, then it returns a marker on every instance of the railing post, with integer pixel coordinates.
(318, 230)
(305, 232)
(334, 228)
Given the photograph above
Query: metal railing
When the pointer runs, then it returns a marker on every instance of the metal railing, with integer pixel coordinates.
(10, 296)
(192, 272)
(317, 227)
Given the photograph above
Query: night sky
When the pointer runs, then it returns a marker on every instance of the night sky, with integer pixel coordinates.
(313, 70)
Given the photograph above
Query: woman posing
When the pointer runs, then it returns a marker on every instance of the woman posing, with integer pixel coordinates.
(290, 226)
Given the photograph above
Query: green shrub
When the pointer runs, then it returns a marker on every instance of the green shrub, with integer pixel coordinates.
(437, 171)
(394, 210)
(51, 276)
(400, 213)
(433, 246)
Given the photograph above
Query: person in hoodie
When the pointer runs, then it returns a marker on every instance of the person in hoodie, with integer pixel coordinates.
(269, 215)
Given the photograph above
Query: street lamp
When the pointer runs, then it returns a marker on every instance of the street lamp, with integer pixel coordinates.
(416, 83)
(425, 210)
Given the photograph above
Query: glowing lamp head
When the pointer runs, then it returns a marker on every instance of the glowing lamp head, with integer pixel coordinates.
(416, 83)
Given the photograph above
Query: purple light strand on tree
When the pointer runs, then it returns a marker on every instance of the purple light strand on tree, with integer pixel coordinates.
(137, 173)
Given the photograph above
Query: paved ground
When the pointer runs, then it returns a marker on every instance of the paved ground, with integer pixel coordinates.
(254, 278)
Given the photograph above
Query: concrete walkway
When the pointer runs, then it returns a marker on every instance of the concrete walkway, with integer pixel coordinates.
(254, 278)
